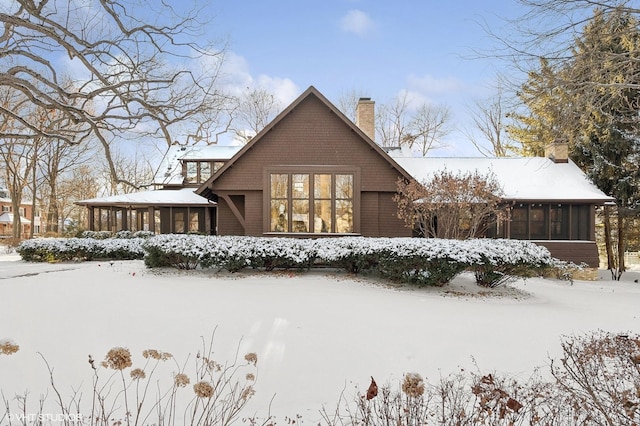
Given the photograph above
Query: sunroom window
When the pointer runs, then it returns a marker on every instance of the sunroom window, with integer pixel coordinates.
(311, 202)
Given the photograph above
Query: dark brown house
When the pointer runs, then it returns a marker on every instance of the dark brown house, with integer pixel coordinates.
(312, 172)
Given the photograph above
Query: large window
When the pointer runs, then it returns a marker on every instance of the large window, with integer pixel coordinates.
(311, 202)
(550, 221)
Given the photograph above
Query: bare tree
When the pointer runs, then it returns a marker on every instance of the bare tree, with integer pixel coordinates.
(429, 125)
(488, 118)
(450, 205)
(348, 102)
(393, 121)
(137, 72)
(256, 108)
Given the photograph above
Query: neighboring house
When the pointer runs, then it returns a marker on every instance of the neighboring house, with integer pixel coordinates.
(6, 217)
(312, 172)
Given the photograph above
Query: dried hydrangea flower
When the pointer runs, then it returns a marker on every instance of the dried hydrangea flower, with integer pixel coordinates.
(413, 385)
(248, 392)
(251, 358)
(8, 347)
(203, 389)
(137, 374)
(118, 358)
(156, 354)
(181, 380)
(250, 377)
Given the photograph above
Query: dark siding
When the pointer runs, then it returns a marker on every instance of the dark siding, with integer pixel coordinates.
(310, 135)
(574, 251)
(390, 224)
(227, 222)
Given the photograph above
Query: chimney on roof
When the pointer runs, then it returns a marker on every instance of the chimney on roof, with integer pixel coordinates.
(558, 152)
(366, 117)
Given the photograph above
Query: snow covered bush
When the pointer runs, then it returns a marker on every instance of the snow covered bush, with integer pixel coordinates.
(499, 261)
(420, 261)
(66, 249)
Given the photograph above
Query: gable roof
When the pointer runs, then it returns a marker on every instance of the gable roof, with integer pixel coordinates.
(522, 179)
(204, 189)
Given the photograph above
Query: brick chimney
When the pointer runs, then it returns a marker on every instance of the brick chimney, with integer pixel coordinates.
(558, 152)
(366, 117)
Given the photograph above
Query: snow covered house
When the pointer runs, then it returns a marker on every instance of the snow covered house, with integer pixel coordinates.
(6, 217)
(312, 172)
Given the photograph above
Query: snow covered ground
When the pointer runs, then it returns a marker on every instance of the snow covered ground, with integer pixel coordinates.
(315, 334)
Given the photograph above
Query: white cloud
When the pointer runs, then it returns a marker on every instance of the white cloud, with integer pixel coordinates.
(357, 22)
(238, 78)
(429, 84)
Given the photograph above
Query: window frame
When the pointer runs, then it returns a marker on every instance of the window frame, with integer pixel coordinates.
(311, 171)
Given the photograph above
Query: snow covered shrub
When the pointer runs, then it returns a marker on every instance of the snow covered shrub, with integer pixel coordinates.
(97, 235)
(66, 249)
(177, 250)
(422, 261)
(499, 261)
(353, 254)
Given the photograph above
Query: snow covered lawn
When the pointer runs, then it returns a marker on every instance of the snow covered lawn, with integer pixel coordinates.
(315, 334)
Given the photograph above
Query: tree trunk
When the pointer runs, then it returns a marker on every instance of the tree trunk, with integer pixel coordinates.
(53, 215)
(17, 223)
(622, 243)
(607, 239)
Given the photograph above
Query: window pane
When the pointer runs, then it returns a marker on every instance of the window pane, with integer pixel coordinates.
(194, 219)
(559, 222)
(217, 165)
(157, 221)
(344, 187)
(539, 222)
(300, 186)
(279, 186)
(322, 186)
(519, 219)
(344, 216)
(192, 171)
(322, 216)
(205, 171)
(580, 223)
(300, 216)
(279, 221)
(178, 223)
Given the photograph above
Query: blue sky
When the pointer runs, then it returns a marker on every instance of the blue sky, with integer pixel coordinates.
(379, 48)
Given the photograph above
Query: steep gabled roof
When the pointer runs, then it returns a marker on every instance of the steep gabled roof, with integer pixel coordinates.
(311, 91)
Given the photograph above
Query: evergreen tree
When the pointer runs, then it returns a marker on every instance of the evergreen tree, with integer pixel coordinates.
(591, 102)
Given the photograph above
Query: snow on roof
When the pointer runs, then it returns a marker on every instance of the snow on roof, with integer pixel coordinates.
(525, 179)
(170, 172)
(7, 217)
(183, 196)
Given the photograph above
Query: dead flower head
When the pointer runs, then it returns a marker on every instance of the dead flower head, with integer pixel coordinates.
(8, 347)
(118, 358)
(181, 380)
(250, 377)
(203, 389)
(156, 354)
(413, 385)
(251, 358)
(248, 392)
(137, 374)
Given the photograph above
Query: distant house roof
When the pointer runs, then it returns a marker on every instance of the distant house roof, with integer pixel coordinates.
(7, 217)
(183, 196)
(522, 179)
(170, 171)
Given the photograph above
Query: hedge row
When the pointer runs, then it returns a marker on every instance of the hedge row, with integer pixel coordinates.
(78, 249)
(409, 260)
